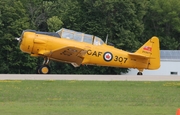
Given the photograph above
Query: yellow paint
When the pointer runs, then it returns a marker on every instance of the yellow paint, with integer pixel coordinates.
(79, 53)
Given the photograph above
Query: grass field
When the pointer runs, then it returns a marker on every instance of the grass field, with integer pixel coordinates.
(89, 98)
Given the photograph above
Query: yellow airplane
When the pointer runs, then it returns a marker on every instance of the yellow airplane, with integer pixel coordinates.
(83, 49)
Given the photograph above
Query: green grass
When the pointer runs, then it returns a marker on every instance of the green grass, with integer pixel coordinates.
(89, 98)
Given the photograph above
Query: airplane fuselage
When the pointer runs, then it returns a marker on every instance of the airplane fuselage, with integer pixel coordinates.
(79, 48)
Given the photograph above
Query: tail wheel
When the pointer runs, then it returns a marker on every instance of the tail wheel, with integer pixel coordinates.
(139, 73)
(44, 69)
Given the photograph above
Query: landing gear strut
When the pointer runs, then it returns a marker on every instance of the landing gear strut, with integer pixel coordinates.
(44, 68)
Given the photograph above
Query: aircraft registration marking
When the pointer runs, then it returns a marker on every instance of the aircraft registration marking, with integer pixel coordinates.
(120, 59)
(146, 52)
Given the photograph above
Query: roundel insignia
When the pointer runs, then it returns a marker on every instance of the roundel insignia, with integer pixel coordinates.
(108, 56)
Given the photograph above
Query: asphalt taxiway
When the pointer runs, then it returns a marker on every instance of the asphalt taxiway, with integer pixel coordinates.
(89, 77)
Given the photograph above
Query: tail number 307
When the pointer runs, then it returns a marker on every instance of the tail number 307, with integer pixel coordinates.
(120, 59)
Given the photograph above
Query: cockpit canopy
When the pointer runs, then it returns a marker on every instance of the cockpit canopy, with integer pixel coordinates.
(78, 36)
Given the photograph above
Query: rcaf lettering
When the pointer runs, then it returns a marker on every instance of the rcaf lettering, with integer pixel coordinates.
(94, 53)
(89, 52)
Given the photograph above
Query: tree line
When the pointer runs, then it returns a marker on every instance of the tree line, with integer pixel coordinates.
(128, 23)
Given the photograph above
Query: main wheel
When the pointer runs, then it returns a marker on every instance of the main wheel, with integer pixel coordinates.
(44, 69)
(139, 73)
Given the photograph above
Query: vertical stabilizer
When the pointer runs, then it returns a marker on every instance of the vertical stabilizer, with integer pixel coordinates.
(151, 50)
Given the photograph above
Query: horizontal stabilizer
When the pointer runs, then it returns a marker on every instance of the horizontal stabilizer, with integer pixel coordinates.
(140, 55)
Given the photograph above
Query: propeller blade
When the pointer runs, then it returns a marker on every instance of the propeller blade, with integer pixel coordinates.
(17, 39)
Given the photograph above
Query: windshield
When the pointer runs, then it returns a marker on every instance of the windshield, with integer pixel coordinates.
(79, 36)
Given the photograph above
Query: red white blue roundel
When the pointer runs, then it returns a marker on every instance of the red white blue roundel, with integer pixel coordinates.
(108, 56)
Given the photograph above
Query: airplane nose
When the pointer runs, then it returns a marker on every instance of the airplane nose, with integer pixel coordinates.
(26, 41)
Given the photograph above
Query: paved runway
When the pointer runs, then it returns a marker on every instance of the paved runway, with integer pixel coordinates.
(88, 77)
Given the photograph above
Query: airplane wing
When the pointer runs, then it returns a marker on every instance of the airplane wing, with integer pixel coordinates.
(70, 54)
(140, 55)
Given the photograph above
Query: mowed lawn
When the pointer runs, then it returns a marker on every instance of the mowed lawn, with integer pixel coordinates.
(88, 97)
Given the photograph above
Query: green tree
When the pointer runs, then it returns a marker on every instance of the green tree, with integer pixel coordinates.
(54, 24)
(163, 20)
(13, 21)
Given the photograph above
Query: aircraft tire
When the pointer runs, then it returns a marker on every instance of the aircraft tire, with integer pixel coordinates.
(44, 69)
(139, 73)
(37, 69)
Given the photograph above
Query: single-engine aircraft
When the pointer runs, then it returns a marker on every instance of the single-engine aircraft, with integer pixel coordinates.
(79, 48)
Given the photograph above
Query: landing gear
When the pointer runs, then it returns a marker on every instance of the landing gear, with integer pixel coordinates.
(44, 68)
(139, 73)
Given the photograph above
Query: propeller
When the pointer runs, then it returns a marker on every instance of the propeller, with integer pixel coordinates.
(18, 39)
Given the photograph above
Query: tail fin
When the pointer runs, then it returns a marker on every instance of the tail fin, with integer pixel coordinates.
(152, 51)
